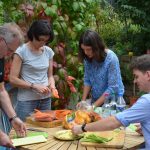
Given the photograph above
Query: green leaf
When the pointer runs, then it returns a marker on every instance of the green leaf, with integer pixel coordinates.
(51, 11)
(54, 7)
(81, 4)
(74, 22)
(89, 1)
(44, 5)
(78, 27)
(48, 1)
(55, 33)
(61, 18)
(63, 25)
(75, 6)
(54, 2)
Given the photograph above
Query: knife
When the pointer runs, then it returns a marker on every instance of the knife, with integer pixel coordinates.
(33, 129)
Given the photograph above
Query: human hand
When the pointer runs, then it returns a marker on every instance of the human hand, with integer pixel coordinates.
(41, 89)
(54, 93)
(5, 140)
(19, 127)
(79, 104)
(77, 129)
(84, 105)
(138, 129)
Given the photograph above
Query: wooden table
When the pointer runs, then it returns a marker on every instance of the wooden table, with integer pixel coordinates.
(132, 141)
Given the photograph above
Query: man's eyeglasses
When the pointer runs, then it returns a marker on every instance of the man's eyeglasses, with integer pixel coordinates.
(8, 48)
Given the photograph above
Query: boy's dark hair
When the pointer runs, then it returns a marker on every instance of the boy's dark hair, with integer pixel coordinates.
(92, 38)
(40, 28)
(141, 63)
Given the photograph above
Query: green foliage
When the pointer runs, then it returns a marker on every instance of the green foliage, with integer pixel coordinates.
(1, 13)
(136, 17)
(11, 10)
(122, 26)
(126, 73)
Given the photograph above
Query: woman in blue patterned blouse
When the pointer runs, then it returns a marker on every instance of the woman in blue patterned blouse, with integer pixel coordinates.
(101, 68)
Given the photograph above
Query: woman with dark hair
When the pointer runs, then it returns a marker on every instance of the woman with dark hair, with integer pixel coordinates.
(101, 68)
(32, 70)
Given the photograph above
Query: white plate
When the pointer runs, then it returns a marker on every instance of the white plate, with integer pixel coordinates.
(66, 135)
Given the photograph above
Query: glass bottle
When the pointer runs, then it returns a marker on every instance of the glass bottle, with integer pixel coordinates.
(113, 104)
(121, 104)
(106, 106)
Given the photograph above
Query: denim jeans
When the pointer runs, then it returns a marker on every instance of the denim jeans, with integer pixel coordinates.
(5, 126)
(25, 108)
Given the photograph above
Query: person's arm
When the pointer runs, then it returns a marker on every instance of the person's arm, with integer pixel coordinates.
(6, 105)
(5, 102)
(106, 124)
(51, 80)
(5, 140)
(87, 83)
(114, 80)
(114, 77)
(86, 87)
(109, 123)
(139, 129)
(100, 101)
(16, 81)
(15, 72)
(86, 90)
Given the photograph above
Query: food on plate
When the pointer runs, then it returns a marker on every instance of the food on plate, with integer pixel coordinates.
(60, 114)
(85, 137)
(68, 117)
(67, 135)
(79, 117)
(50, 115)
(43, 116)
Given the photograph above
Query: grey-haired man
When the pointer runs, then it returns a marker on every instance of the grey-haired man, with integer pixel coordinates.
(10, 39)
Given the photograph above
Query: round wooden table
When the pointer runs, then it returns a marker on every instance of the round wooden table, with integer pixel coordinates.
(132, 141)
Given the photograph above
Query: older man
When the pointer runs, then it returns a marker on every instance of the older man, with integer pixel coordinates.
(10, 39)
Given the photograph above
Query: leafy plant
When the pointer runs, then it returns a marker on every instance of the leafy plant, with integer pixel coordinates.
(122, 25)
(126, 73)
(133, 15)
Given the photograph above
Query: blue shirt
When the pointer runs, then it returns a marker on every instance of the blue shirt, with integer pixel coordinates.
(104, 76)
(138, 113)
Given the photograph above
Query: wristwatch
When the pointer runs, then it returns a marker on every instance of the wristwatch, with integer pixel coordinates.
(11, 119)
(83, 127)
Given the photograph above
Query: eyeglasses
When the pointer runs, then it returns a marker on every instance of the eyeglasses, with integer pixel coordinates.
(8, 48)
(43, 39)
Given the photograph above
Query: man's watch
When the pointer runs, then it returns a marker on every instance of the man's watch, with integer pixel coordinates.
(83, 127)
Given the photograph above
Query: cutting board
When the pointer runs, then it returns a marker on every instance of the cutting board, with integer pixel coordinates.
(49, 124)
(29, 140)
(117, 141)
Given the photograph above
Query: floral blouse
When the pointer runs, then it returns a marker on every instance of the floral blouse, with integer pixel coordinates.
(103, 77)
